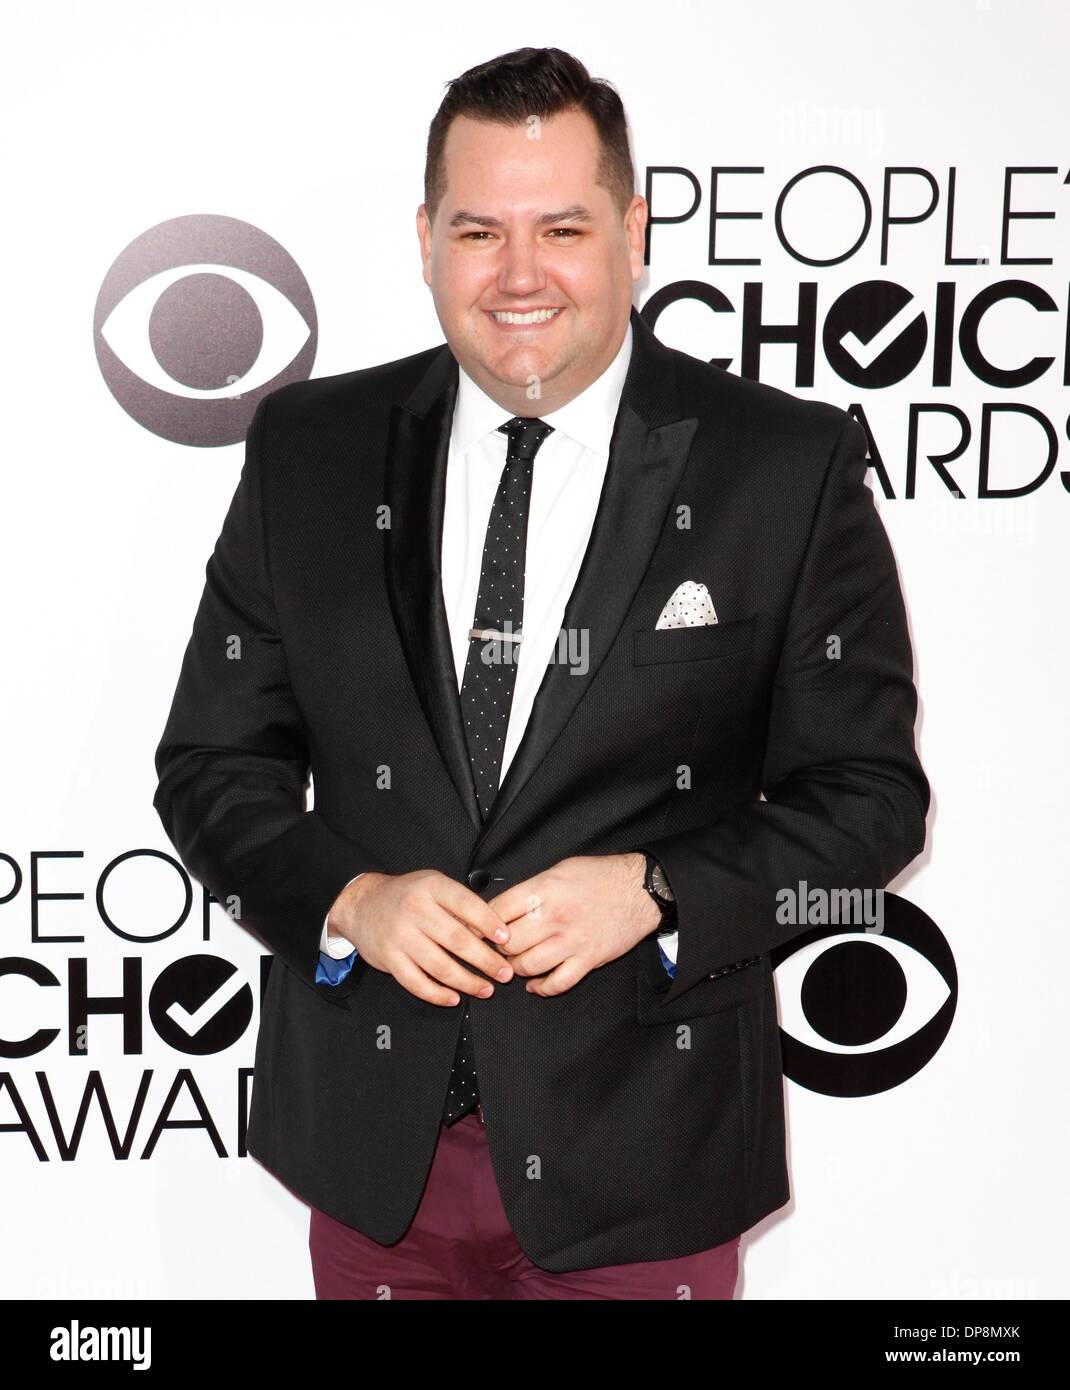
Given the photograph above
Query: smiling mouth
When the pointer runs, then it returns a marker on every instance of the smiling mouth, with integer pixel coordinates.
(509, 318)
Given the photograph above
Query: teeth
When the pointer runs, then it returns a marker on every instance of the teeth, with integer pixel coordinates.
(536, 316)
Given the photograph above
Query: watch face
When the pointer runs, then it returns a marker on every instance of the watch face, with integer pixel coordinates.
(660, 884)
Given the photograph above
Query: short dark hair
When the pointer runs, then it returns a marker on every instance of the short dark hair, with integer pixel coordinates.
(533, 82)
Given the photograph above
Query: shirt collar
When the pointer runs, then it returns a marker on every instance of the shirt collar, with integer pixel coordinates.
(588, 418)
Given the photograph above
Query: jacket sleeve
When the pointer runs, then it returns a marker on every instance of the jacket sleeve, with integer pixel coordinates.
(846, 797)
(233, 762)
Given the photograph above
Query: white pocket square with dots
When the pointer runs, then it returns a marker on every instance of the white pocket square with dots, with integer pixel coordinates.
(689, 606)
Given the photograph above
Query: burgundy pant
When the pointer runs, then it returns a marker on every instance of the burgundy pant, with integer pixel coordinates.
(460, 1246)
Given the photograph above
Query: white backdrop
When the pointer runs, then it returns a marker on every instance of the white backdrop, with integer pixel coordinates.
(308, 124)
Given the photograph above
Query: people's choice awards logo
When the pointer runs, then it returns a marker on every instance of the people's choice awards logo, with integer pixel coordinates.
(863, 1011)
(198, 318)
(875, 334)
(201, 1005)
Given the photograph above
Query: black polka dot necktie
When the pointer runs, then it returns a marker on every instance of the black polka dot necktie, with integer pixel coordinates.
(490, 670)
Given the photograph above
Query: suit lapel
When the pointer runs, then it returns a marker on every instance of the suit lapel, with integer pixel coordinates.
(647, 454)
(417, 455)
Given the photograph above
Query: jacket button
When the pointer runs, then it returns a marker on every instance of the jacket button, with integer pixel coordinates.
(478, 879)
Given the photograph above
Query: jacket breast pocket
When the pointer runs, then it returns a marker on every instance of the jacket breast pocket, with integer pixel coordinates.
(735, 986)
(702, 643)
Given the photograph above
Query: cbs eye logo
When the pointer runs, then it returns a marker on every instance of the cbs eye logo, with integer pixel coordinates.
(198, 318)
(863, 1011)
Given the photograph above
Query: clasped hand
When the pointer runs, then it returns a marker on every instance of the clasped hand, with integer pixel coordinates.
(424, 927)
(573, 917)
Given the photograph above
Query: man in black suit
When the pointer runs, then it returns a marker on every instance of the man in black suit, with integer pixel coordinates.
(591, 648)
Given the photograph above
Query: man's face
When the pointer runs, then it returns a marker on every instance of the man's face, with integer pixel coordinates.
(523, 225)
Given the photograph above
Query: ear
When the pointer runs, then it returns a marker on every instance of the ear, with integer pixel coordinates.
(635, 220)
(423, 232)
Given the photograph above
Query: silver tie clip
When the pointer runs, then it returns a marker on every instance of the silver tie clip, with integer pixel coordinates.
(487, 634)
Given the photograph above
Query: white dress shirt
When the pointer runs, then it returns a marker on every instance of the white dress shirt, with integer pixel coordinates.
(570, 467)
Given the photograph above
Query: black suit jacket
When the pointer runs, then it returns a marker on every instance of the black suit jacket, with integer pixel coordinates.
(630, 1118)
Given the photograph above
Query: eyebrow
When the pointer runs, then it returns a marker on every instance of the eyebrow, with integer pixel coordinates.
(576, 213)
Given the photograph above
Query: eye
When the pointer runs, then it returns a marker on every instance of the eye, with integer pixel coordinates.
(556, 233)
(861, 1010)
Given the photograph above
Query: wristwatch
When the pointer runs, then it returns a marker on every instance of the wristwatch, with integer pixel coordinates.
(659, 888)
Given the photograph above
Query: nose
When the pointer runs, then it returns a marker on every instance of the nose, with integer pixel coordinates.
(521, 273)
